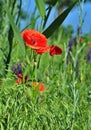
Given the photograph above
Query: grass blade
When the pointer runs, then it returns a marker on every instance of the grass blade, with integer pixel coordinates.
(16, 31)
(41, 7)
(58, 21)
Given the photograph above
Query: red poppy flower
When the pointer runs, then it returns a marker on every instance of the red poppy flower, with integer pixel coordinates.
(55, 50)
(42, 50)
(18, 81)
(38, 42)
(81, 39)
(40, 86)
(34, 39)
(20, 75)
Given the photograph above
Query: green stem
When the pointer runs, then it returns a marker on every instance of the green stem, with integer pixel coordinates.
(17, 20)
(46, 18)
(38, 62)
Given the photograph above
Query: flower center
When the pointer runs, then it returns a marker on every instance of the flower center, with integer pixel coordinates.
(33, 41)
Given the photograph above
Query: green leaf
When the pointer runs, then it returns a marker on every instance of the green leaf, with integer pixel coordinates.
(51, 2)
(41, 7)
(58, 21)
(21, 46)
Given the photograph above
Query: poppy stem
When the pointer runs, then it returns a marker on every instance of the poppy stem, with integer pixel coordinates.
(38, 62)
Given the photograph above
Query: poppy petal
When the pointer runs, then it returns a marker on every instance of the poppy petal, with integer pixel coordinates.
(34, 39)
(18, 81)
(41, 87)
(20, 75)
(42, 50)
(55, 50)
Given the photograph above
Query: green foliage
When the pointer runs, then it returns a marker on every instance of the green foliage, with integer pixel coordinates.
(51, 2)
(15, 29)
(41, 7)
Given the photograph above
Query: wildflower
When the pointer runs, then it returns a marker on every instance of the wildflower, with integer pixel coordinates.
(40, 86)
(89, 56)
(42, 50)
(34, 39)
(35, 84)
(80, 39)
(18, 71)
(55, 50)
(20, 75)
(18, 81)
(70, 44)
(89, 42)
(38, 42)
(21, 79)
(14, 68)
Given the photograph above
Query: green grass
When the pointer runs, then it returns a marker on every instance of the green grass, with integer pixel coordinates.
(64, 105)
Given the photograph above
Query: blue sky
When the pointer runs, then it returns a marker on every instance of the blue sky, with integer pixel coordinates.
(71, 19)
